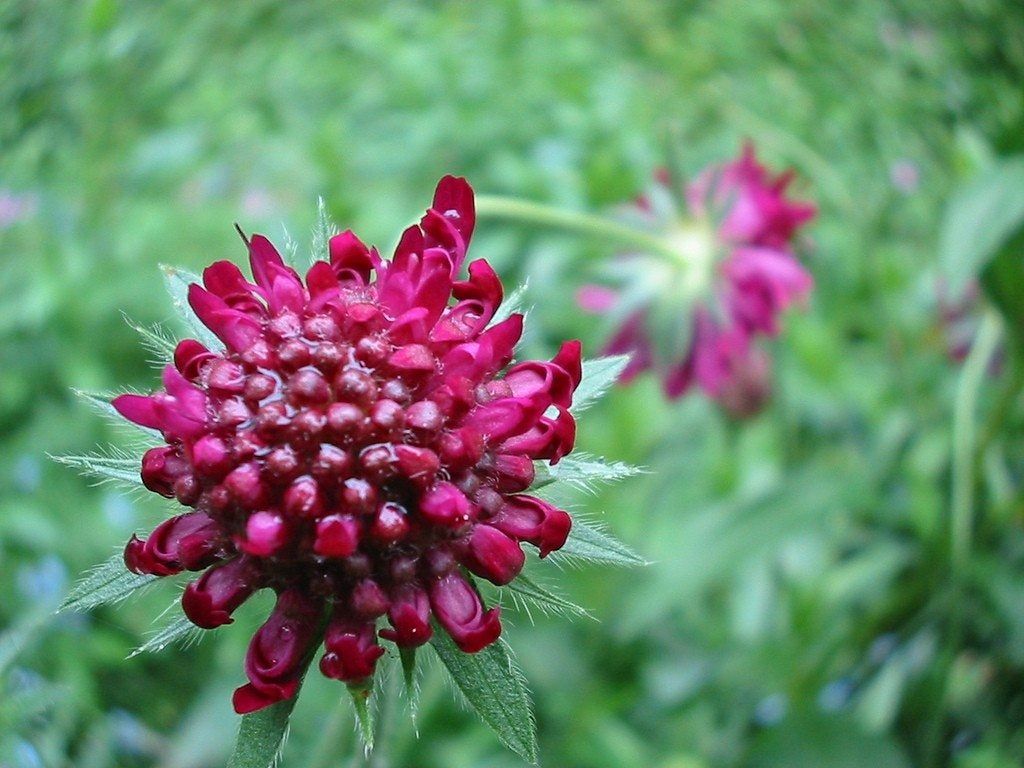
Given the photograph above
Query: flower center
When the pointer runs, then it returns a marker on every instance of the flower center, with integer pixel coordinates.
(694, 244)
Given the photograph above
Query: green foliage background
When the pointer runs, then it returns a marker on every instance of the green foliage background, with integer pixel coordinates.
(802, 609)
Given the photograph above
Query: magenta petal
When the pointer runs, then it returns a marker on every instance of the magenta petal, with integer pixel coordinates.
(350, 257)
(138, 409)
(263, 256)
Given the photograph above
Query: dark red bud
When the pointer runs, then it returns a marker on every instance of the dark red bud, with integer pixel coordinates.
(259, 386)
(211, 457)
(210, 600)
(368, 599)
(293, 355)
(308, 387)
(493, 555)
(336, 536)
(359, 496)
(265, 533)
(351, 651)
(245, 485)
(303, 498)
(391, 524)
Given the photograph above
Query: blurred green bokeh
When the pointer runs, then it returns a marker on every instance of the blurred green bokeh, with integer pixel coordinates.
(799, 611)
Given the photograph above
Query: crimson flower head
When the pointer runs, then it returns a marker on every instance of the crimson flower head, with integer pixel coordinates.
(361, 445)
(727, 272)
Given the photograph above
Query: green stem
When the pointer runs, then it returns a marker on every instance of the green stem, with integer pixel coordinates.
(1007, 397)
(526, 212)
(962, 492)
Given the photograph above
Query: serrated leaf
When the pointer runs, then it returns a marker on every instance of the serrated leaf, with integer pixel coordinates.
(117, 466)
(155, 339)
(598, 377)
(512, 303)
(410, 680)
(525, 589)
(290, 248)
(323, 230)
(177, 281)
(364, 713)
(494, 687)
(108, 582)
(180, 630)
(100, 403)
(980, 220)
(586, 472)
(261, 736)
(588, 543)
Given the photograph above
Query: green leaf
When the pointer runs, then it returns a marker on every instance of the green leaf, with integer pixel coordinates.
(116, 465)
(526, 592)
(154, 338)
(323, 231)
(364, 713)
(598, 377)
(494, 687)
(588, 543)
(980, 220)
(512, 303)
(177, 281)
(410, 680)
(586, 472)
(106, 583)
(180, 630)
(261, 736)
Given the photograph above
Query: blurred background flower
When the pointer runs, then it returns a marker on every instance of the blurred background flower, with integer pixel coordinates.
(724, 276)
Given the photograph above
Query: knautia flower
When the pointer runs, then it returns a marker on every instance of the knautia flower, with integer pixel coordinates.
(726, 272)
(360, 445)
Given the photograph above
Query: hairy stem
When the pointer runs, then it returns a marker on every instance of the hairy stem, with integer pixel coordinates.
(526, 212)
(962, 492)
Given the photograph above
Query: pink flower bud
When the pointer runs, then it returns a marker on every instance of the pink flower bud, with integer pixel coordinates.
(265, 533)
(527, 518)
(368, 599)
(459, 610)
(160, 468)
(211, 457)
(493, 555)
(210, 600)
(303, 498)
(409, 616)
(446, 505)
(351, 651)
(160, 554)
(278, 652)
(189, 358)
(245, 485)
(336, 536)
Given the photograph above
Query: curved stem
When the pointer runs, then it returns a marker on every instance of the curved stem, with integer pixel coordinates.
(1007, 397)
(524, 211)
(962, 491)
